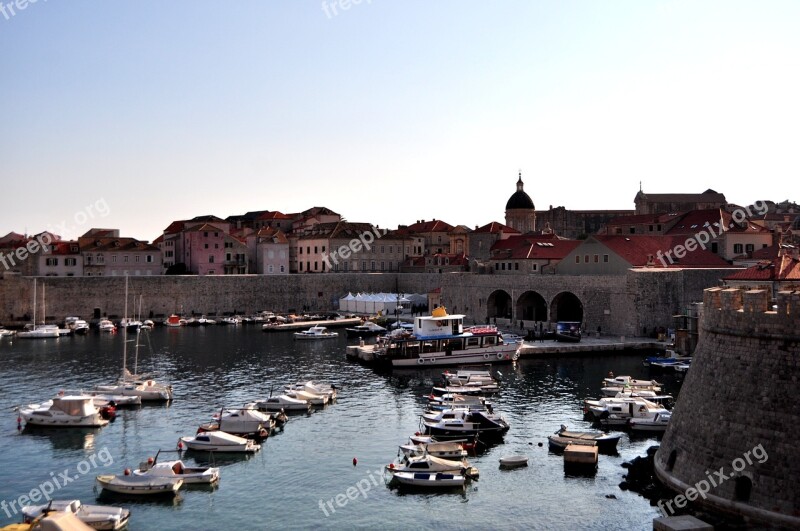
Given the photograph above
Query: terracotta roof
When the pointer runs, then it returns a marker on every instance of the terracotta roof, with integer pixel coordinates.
(495, 227)
(267, 215)
(203, 228)
(781, 268)
(158, 240)
(338, 229)
(765, 253)
(434, 225)
(695, 221)
(636, 249)
(208, 218)
(276, 235)
(92, 244)
(533, 247)
(12, 237)
(64, 248)
(174, 227)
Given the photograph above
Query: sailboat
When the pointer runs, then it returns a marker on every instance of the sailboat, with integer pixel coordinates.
(139, 385)
(42, 331)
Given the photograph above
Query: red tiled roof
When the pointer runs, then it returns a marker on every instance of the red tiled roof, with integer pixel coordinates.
(202, 228)
(695, 221)
(276, 235)
(92, 244)
(495, 227)
(533, 247)
(765, 253)
(64, 248)
(636, 249)
(273, 215)
(12, 237)
(781, 268)
(174, 227)
(434, 225)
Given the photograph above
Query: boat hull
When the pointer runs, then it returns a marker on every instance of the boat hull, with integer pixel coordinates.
(499, 354)
(144, 486)
(428, 480)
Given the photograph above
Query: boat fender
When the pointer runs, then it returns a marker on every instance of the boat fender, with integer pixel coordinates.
(499, 355)
(127, 471)
(486, 356)
(420, 361)
(149, 383)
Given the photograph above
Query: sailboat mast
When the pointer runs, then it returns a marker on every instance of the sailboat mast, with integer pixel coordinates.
(125, 334)
(34, 304)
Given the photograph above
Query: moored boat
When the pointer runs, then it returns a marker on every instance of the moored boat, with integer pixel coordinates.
(441, 340)
(514, 461)
(69, 411)
(606, 442)
(101, 517)
(218, 441)
(205, 475)
(283, 403)
(145, 485)
(316, 332)
(427, 480)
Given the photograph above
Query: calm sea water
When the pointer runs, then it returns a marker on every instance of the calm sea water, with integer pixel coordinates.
(287, 484)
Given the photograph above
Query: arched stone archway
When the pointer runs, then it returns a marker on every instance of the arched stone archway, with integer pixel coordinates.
(499, 305)
(531, 306)
(566, 306)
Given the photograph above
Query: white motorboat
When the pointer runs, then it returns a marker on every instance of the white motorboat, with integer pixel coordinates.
(513, 461)
(145, 485)
(367, 329)
(73, 411)
(330, 390)
(231, 320)
(444, 450)
(619, 412)
(613, 385)
(467, 424)
(605, 442)
(102, 399)
(6, 333)
(437, 480)
(147, 324)
(247, 420)
(105, 325)
(218, 441)
(101, 517)
(656, 422)
(311, 398)
(204, 475)
(282, 403)
(316, 332)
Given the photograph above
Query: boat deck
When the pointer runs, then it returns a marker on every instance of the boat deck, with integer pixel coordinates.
(305, 325)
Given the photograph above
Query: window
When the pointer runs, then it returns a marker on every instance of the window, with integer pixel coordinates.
(650, 228)
(70, 262)
(51, 261)
(372, 265)
(596, 258)
(737, 248)
(211, 271)
(168, 254)
(149, 258)
(316, 266)
(605, 258)
(308, 249)
(586, 259)
(205, 234)
(216, 246)
(382, 266)
(749, 248)
(659, 228)
(390, 249)
(228, 257)
(632, 230)
(216, 235)
(205, 246)
(301, 250)
(301, 266)
(535, 267)
(364, 265)
(282, 269)
(315, 249)
(211, 259)
(503, 266)
(382, 249)
(125, 258)
(577, 259)
(516, 266)
(496, 266)
(100, 259)
(136, 258)
(114, 258)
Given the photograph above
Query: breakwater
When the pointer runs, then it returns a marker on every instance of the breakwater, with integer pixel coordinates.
(632, 304)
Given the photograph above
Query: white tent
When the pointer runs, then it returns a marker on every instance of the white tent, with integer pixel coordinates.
(347, 303)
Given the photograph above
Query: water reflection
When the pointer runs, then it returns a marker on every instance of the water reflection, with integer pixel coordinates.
(64, 438)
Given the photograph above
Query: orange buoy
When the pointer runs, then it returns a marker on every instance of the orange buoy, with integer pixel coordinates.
(355, 461)
(127, 472)
(150, 460)
(391, 466)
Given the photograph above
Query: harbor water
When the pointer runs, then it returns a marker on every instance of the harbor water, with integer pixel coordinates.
(305, 477)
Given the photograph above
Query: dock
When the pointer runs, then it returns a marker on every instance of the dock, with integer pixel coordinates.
(614, 344)
(305, 325)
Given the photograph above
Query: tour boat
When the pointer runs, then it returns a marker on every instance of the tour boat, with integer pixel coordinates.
(145, 485)
(204, 475)
(441, 340)
(316, 332)
(74, 411)
(219, 441)
(101, 517)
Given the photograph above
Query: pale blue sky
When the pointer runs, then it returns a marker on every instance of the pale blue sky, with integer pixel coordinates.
(389, 111)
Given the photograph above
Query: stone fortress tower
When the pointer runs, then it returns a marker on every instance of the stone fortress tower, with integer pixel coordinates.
(520, 212)
(739, 410)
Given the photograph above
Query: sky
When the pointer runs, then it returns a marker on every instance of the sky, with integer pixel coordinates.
(130, 115)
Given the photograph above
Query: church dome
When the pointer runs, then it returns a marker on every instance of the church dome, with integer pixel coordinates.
(519, 199)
